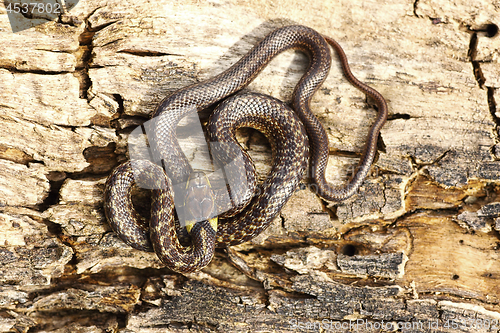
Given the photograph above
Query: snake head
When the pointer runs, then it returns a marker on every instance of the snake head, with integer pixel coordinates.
(199, 202)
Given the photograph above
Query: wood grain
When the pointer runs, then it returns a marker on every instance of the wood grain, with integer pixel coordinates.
(418, 245)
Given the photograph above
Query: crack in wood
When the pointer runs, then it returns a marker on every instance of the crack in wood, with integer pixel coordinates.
(83, 61)
(471, 53)
(146, 53)
(395, 116)
(490, 30)
(415, 8)
(15, 70)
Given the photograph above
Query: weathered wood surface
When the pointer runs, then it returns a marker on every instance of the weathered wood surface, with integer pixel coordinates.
(417, 246)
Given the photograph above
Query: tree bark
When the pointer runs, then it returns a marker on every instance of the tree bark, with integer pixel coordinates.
(416, 248)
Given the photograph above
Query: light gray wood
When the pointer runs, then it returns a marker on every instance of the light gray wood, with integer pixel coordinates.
(418, 245)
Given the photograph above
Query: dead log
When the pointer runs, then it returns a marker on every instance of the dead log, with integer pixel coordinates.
(415, 249)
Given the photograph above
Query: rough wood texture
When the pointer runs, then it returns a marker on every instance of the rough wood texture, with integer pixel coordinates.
(417, 246)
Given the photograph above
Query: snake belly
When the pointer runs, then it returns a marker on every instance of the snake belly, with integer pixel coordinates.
(269, 200)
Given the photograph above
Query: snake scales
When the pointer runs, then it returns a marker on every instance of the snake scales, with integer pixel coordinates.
(289, 133)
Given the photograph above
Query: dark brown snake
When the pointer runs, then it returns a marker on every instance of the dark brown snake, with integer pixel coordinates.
(288, 132)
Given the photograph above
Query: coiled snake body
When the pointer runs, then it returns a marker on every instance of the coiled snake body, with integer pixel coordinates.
(289, 133)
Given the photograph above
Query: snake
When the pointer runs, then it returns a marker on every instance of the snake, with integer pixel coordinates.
(295, 134)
